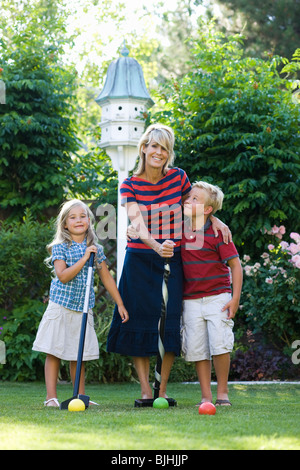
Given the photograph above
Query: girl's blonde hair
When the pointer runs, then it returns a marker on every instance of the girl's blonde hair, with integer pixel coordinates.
(164, 136)
(62, 234)
(214, 196)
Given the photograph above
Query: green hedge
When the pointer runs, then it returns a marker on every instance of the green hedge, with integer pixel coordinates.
(270, 309)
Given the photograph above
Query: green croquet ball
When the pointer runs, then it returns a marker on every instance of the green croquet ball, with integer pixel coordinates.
(76, 405)
(160, 403)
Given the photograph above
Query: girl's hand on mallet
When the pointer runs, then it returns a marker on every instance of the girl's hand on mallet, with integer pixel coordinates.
(88, 251)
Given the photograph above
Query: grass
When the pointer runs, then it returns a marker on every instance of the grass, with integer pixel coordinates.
(262, 417)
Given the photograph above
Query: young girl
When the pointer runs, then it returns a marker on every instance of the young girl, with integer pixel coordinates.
(59, 330)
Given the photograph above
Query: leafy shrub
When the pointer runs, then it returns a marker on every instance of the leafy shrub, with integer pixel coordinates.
(270, 306)
(37, 125)
(18, 333)
(23, 274)
(260, 363)
(271, 291)
(237, 126)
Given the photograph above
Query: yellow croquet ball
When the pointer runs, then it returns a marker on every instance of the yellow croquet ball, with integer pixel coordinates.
(76, 405)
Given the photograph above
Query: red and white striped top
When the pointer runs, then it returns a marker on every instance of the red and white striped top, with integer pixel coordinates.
(160, 205)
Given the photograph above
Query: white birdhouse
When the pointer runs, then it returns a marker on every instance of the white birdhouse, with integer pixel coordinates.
(123, 100)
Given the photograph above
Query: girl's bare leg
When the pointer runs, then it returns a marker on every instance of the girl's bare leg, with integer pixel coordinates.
(52, 365)
(73, 365)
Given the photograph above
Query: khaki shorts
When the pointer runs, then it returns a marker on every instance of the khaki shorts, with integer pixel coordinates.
(206, 330)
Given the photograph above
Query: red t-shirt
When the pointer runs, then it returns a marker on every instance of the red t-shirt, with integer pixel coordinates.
(204, 259)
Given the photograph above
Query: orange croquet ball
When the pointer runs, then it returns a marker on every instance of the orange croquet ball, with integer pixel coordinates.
(207, 408)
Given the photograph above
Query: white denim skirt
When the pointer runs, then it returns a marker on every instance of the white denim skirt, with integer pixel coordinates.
(59, 331)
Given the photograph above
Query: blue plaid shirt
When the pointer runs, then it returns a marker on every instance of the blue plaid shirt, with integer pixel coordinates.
(71, 295)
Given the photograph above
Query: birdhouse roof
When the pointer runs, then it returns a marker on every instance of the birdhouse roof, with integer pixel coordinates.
(124, 79)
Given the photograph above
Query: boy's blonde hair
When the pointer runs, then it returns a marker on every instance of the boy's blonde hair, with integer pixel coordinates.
(164, 136)
(214, 195)
(62, 234)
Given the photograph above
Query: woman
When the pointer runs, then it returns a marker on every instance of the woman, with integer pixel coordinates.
(153, 197)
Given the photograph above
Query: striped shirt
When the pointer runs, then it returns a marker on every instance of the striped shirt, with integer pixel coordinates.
(204, 259)
(71, 294)
(160, 206)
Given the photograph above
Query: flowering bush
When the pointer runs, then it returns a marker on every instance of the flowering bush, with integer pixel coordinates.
(271, 290)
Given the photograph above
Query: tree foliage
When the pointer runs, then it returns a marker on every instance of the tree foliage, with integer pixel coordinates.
(37, 131)
(238, 127)
(271, 26)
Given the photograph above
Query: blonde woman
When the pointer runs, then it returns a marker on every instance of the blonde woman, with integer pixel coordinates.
(59, 330)
(153, 197)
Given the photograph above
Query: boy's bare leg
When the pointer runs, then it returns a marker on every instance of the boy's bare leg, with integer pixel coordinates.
(203, 369)
(222, 365)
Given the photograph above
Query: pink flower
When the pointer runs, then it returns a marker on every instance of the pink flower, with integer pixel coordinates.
(282, 229)
(271, 247)
(248, 270)
(296, 261)
(295, 236)
(278, 231)
(269, 280)
(293, 248)
(284, 245)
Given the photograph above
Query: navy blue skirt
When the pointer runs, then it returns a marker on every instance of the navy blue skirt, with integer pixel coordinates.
(141, 290)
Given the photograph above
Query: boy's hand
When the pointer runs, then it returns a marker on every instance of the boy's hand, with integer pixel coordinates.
(123, 313)
(231, 308)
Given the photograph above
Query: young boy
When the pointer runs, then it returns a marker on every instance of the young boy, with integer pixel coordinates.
(208, 307)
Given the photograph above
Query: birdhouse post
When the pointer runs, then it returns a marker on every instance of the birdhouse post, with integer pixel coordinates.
(124, 99)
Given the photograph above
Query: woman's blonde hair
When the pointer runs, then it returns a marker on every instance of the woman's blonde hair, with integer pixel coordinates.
(62, 234)
(214, 196)
(164, 136)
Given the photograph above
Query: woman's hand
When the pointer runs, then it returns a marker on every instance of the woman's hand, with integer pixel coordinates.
(131, 233)
(224, 229)
(166, 249)
(123, 313)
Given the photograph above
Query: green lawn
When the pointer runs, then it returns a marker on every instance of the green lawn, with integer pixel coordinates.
(262, 417)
